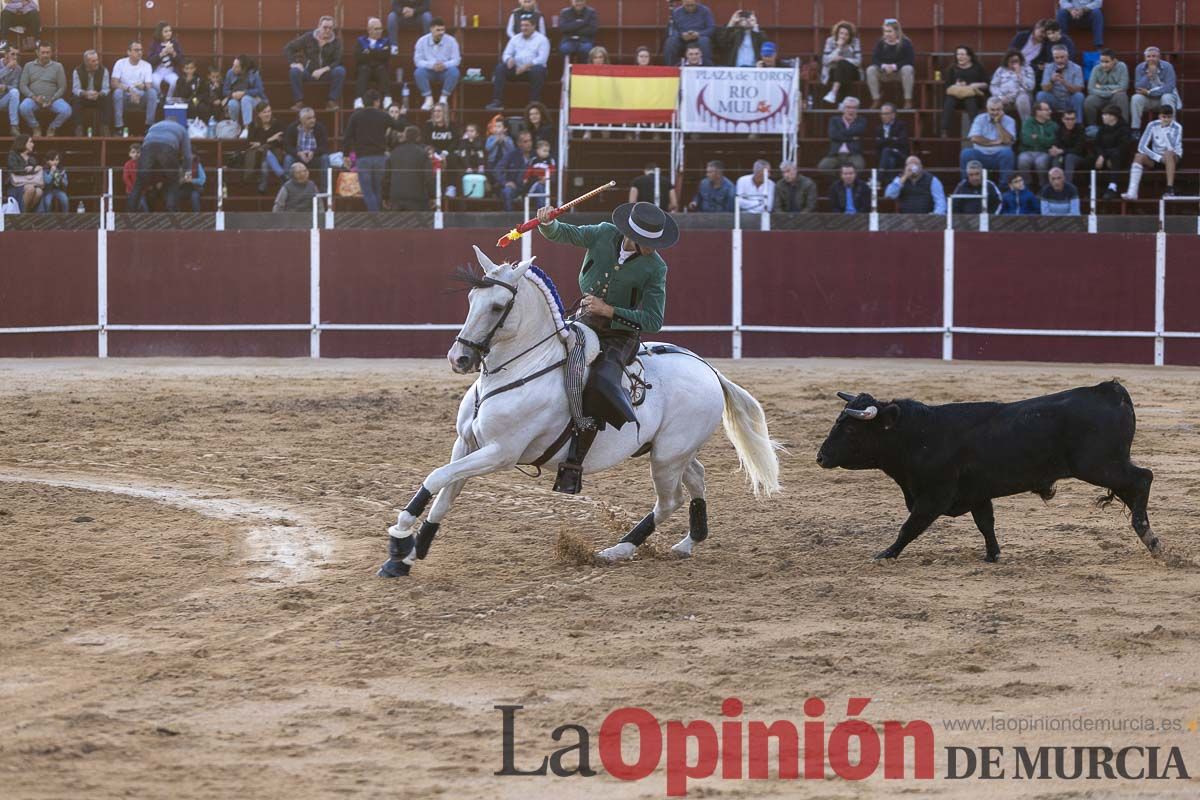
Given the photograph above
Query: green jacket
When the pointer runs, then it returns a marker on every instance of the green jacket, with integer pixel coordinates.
(637, 289)
(1037, 136)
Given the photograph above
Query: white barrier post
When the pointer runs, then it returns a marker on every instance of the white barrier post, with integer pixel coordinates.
(102, 293)
(329, 191)
(1093, 222)
(314, 290)
(2, 215)
(1160, 295)
(983, 208)
(873, 222)
(110, 218)
(948, 288)
(220, 225)
(437, 212)
(658, 186)
(735, 313)
(527, 239)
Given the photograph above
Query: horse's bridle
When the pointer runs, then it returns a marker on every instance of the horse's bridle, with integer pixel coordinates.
(484, 347)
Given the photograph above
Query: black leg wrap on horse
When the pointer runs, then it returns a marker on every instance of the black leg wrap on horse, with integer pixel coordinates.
(641, 532)
(416, 506)
(698, 520)
(425, 537)
(398, 550)
(570, 472)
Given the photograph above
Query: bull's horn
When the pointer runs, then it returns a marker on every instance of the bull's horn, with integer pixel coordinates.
(870, 412)
(846, 396)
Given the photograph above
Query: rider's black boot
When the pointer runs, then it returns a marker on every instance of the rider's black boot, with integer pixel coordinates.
(570, 472)
(607, 399)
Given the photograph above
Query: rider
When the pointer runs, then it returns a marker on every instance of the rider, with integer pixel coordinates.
(624, 283)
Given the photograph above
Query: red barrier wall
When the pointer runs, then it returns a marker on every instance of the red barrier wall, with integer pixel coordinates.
(47, 280)
(1182, 307)
(843, 279)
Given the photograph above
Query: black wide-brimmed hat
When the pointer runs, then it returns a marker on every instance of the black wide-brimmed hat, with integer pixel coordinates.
(646, 224)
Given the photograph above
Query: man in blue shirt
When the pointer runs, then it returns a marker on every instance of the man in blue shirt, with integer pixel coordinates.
(850, 195)
(716, 192)
(992, 136)
(512, 170)
(1063, 83)
(690, 23)
(917, 191)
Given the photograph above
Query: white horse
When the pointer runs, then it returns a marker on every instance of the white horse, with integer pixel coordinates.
(517, 413)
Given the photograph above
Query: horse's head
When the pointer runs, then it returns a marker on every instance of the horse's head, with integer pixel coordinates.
(492, 299)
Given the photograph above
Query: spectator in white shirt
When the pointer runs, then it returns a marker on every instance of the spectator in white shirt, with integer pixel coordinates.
(756, 192)
(133, 84)
(437, 58)
(524, 58)
(1160, 144)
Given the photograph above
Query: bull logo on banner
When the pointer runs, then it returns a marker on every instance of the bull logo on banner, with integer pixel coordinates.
(737, 100)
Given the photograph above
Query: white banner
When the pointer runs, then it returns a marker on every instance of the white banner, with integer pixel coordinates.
(739, 100)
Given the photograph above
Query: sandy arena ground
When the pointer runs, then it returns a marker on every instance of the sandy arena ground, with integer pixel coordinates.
(188, 606)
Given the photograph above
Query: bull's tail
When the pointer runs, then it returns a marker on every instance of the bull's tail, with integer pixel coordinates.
(1105, 500)
(746, 426)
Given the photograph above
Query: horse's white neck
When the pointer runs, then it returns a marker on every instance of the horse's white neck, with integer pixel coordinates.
(536, 331)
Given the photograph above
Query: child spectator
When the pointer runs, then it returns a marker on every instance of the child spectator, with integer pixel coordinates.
(55, 176)
(1018, 199)
(1112, 148)
(216, 90)
(191, 184)
(193, 90)
(129, 175)
(470, 156)
(538, 173)
(165, 55)
(498, 146)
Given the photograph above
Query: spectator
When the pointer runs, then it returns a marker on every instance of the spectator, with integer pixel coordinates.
(20, 14)
(537, 175)
(243, 90)
(973, 185)
(1030, 45)
(56, 183)
(992, 136)
(537, 121)
(716, 193)
(437, 58)
(917, 191)
(693, 56)
(579, 23)
(756, 192)
(468, 158)
(1038, 134)
(497, 146)
(166, 158)
(307, 141)
(24, 174)
(1160, 144)
(133, 84)
(770, 56)
(1013, 85)
(794, 193)
(845, 138)
(10, 87)
(439, 133)
(1082, 13)
(266, 142)
(512, 171)
(371, 53)
(841, 62)
(316, 56)
(1062, 83)
(165, 56)
(193, 90)
(526, 9)
(739, 43)
(642, 57)
(849, 195)
(1107, 85)
(366, 137)
(90, 97)
(1054, 37)
(966, 86)
(129, 176)
(691, 23)
(891, 141)
(43, 84)
(642, 189)
(411, 174)
(1070, 146)
(191, 184)
(892, 60)
(297, 194)
(216, 91)
(524, 58)
(407, 14)
(1059, 198)
(1112, 149)
(598, 55)
(1018, 200)
(1154, 87)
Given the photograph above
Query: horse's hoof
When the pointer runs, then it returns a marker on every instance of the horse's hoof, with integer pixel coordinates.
(394, 568)
(885, 555)
(622, 551)
(683, 548)
(992, 558)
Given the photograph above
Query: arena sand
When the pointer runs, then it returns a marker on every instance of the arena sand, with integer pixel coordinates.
(189, 608)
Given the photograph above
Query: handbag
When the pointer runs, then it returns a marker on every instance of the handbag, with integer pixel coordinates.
(962, 92)
(35, 178)
(348, 185)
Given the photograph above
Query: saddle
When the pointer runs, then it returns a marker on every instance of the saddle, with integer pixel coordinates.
(583, 348)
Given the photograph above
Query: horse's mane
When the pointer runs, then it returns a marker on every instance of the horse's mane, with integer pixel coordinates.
(466, 274)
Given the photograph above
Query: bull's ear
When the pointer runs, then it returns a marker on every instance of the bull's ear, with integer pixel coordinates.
(889, 415)
(846, 396)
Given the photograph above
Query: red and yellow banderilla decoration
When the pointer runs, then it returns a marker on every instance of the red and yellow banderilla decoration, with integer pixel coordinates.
(525, 227)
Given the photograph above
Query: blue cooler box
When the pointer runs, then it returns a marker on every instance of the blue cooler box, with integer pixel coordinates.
(176, 112)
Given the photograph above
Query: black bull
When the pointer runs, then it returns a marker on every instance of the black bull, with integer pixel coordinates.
(955, 458)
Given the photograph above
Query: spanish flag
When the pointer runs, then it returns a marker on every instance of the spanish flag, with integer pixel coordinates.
(603, 93)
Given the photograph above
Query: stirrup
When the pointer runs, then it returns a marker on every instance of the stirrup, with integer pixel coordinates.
(569, 479)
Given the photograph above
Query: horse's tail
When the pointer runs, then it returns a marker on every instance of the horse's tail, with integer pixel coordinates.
(746, 426)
